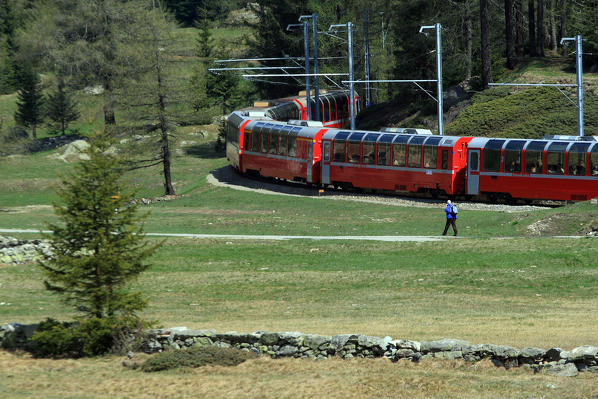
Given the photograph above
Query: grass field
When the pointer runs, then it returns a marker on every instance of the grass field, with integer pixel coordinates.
(498, 284)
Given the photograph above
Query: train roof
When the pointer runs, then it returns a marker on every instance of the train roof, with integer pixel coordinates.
(481, 142)
(390, 137)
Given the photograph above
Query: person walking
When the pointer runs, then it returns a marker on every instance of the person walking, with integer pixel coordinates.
(451, 218)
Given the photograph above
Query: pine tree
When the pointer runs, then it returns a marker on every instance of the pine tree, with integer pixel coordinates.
(204, 46)
(30, 101)
(98, 246)
(61, 108)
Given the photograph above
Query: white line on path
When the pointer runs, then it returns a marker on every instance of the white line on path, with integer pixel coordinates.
(284, 237)
(265, 237)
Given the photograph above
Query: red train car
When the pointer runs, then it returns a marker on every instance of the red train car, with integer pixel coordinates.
(394, 162)
(486, 168)
(512, 169)
(334, 108)
(275, 149)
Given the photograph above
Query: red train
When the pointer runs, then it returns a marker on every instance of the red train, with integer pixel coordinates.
(556, 168)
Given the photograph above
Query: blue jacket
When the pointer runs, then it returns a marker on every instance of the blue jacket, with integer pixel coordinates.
(448, 210)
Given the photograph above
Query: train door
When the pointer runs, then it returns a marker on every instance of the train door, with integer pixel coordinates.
(473, 172)
(326, 162)
(310, 162)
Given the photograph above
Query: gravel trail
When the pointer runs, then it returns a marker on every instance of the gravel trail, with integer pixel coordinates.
(227, 177)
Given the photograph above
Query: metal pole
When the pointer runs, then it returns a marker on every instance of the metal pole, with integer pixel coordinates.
(579, 86)
(439, 77)
(351, 85)
(314, 21)
(368, 93)
(307, 88)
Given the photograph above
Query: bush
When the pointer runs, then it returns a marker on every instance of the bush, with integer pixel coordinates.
(90, 337)
(196, 357)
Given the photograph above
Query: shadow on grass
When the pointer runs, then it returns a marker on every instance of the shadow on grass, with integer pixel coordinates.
(204, 151)
(227, 176)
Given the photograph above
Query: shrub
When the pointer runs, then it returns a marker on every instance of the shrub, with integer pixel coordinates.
(90, 337)
(196, 357)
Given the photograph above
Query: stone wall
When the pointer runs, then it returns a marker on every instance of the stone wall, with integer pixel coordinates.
(320, 347)
(347, 346)
(15, 251)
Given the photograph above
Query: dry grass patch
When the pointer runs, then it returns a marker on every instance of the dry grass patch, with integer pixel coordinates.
(284, 378)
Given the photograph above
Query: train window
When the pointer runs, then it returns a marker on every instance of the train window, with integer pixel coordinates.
(555, 158)
(265, 135)
(513, 156)
(383, 154)
(474, 162)
(594, 160)
(444, 164)
(430, 157)
(368, 152)
(431, 152)
(282, 143)
(533, 156)
(326, 151)
(274, 133)
(293, 141)
(248, 136)
(353, 151)
(398, 154)
(326, 113)
(578, 159)
(255, 140)
(491, 160)
(414, 156)
(338, 148)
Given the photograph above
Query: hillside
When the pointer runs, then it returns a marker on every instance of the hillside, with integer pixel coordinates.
(503, 111)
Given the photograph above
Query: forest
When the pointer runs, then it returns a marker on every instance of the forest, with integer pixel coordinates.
(143, 65)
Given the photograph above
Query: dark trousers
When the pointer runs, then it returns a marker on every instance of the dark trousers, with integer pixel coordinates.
(450, 222)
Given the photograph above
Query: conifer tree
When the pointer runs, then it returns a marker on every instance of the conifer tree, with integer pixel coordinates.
(30, 101)
(98, 247)
(61, 108)
(204, 46)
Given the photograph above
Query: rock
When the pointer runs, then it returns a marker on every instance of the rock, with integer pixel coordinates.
(406, 344)
(238, 338)
(563, 370)
(314, 341)
(376, 344)
(338, 341)
(269, 339)
(583, 353)
(553, 354)
(202, 341)
(291, 338)
(287, 350)
(445, 345)
(532, 354)
(403, 353)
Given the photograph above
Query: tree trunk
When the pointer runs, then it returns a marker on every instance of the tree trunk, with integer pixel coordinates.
(532, 28)
(552, 11)
(468, 40)
(485, 43)
(541, 29)
(168, 189)
(62, 126)
(563, 21)
(519, 28)
(511, 56)
(109, 119)
(33, 131)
